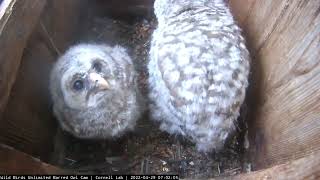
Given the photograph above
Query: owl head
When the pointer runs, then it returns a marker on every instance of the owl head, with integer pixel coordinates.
(91, 87)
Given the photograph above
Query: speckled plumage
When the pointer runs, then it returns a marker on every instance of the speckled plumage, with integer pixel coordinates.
(198, 71)
(109, 102)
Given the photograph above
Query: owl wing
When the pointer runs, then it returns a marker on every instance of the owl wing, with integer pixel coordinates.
(183, 77)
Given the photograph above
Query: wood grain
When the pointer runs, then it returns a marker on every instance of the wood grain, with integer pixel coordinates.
(303, 168)
(13, 37)
(284, 40)
(16, 162)
(28, 123)
(240, 10)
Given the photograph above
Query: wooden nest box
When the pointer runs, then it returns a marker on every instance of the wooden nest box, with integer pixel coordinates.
(284, 97)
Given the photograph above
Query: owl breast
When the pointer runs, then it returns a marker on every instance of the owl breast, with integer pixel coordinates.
(198, 75)
(112, 117)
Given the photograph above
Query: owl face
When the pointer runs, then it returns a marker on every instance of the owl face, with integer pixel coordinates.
(85, 84)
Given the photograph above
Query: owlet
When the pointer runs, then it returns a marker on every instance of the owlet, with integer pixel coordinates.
(198, 71)
(94, 91)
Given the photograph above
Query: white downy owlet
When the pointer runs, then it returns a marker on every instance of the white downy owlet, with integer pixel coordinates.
(198, 71)
(94, 91)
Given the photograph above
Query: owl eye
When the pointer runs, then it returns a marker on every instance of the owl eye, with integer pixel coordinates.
(97, 66)
(78, 85)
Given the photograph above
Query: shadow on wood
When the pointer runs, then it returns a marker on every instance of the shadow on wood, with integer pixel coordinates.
(16, 162)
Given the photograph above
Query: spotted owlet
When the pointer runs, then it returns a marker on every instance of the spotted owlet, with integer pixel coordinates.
(94, 91)
(198, 71)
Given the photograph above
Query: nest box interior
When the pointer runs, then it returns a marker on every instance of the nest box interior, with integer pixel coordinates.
(280, 123)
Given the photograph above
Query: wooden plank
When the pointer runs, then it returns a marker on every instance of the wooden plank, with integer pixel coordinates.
(241, 9)
(289, 112)
(13, 37)
(284, 39)
(261, 20)
(304, 168)
(28, 124)
(62, 21)
(16, 162)
(5, 6)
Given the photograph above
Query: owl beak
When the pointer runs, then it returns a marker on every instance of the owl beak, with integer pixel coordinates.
(99, 82)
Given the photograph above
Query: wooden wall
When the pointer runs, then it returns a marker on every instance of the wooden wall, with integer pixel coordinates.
(16, 162)
(16, 24)
(284, 97)
(27, 122)
(303, 168)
